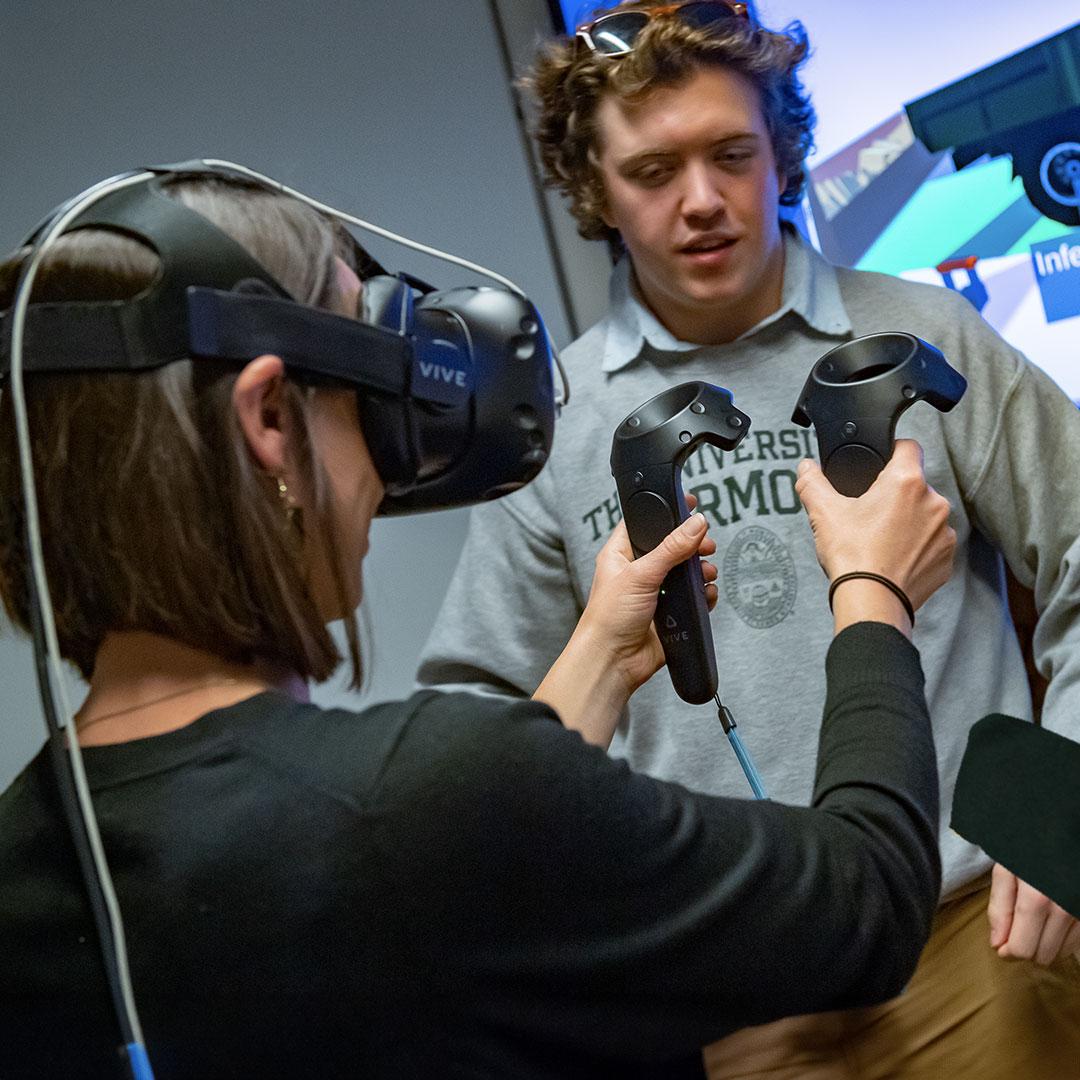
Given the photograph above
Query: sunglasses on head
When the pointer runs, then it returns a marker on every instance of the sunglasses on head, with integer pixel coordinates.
(614, 33)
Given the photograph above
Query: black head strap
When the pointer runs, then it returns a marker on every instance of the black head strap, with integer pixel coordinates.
(148, 330)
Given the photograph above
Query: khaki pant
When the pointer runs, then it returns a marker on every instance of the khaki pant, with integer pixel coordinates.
(966, 1013)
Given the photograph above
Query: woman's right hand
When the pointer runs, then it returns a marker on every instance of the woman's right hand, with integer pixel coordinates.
(614, 648)
(899, 528)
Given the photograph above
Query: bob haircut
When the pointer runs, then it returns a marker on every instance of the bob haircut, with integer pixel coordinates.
(568, 81)
(154, 515)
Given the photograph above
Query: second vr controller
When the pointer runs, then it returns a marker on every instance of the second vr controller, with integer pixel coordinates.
(856, 393)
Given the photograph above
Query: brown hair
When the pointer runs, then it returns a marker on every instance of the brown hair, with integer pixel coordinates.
(568, 82)
(154, 515)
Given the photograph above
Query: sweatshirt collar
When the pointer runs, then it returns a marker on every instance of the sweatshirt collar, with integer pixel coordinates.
(810, 291)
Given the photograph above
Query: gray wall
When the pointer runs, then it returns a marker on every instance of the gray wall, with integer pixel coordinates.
(399, 111)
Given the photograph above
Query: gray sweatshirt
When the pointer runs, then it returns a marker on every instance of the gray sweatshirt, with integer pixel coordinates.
(1007, 458)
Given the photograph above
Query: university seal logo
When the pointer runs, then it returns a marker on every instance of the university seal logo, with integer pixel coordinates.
(759, 578)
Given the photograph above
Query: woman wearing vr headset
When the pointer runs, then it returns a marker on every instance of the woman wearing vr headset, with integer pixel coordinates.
(445, 886)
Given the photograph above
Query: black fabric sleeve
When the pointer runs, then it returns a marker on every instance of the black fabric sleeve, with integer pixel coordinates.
(1031, 822)
(541, 886)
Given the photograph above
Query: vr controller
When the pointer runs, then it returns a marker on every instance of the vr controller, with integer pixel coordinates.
(647, 455)
(857, 392)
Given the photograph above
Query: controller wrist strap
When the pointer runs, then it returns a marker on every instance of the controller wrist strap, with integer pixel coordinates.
(745, 760)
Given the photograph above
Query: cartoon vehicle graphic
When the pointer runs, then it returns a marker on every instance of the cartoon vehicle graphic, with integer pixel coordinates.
(1060, 173)
(1026, 106)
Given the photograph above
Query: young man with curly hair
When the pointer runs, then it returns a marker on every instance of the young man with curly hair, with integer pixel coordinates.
(679, 131)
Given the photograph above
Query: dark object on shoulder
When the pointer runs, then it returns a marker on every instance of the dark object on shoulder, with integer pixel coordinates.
(1018, 798)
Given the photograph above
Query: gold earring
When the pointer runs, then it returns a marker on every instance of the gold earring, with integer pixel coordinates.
(291, 507)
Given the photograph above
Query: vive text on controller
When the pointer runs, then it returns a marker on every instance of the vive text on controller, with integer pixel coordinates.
(856, 393)
(647, 455)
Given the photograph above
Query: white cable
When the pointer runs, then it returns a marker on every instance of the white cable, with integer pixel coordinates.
(37, 563)
(59, 223)
(476, 268)
(386, 234)
(56, 227)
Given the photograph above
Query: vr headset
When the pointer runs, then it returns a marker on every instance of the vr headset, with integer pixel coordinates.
(455, 387)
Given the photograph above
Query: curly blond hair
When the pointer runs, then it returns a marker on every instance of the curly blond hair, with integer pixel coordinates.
(568, 82)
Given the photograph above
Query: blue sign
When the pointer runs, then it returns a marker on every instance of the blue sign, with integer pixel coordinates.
(1057, 270)
(576, 12)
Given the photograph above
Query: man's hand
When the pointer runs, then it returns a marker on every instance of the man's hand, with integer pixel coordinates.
(1025, 925)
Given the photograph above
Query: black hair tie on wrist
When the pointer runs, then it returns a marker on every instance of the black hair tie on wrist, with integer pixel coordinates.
(890, 585)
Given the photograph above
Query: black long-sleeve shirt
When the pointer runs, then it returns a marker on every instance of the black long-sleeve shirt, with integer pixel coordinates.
(457, 886)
